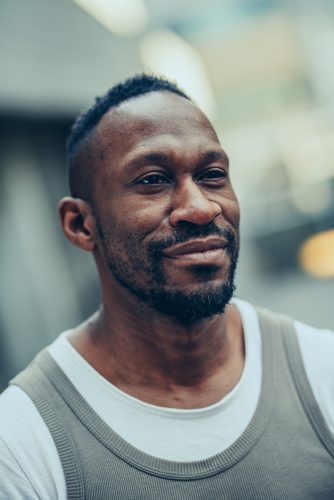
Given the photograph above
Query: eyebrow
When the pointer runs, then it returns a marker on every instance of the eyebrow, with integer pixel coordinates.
(163, 158)
(146, 158)
(211, 156)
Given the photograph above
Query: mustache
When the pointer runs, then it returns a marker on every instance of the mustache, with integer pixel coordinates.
(156, 247)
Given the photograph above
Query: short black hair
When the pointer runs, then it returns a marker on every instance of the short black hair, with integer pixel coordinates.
(79, 166)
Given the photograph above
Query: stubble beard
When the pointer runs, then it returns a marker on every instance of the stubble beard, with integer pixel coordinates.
(206, 300)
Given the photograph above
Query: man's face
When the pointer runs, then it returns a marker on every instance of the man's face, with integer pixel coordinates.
(166, 213)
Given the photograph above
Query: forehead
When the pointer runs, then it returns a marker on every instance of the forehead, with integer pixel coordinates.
(155, 120)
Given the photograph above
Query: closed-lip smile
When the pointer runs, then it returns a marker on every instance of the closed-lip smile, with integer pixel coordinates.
(196, 246)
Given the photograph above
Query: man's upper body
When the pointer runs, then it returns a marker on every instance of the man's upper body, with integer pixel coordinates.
(30, 466)
(152, 199)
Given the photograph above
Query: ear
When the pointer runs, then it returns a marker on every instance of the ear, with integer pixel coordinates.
(77, 222)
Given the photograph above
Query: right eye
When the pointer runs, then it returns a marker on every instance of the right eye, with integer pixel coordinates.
(153, 179)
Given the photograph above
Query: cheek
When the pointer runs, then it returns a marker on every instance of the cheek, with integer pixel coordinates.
(237, 213)
(231, 211)
(144, 218)
(122, 236)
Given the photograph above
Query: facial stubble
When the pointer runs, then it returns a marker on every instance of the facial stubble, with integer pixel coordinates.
(142, 271)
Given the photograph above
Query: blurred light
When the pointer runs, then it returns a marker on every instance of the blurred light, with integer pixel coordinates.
(168, 54)
(317, 255)
(121, 17)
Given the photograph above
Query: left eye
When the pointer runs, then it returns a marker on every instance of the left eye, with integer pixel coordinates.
(214, 174)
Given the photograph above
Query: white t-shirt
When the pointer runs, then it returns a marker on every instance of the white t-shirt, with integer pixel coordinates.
(30, 467)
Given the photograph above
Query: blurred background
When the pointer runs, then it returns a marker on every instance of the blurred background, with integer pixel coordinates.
(263, 72)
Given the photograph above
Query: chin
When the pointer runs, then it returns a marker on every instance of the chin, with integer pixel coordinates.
(199, 277)
(194, 302)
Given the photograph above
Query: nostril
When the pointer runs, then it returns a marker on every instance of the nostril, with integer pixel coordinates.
(200, 215)
(187, 224)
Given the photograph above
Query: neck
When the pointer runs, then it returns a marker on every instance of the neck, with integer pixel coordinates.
(159, 360)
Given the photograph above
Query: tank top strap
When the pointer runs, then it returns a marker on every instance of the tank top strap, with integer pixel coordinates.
(282, 332)
(35, 383)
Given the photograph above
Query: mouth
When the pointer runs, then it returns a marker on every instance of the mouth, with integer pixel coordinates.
(210, 251)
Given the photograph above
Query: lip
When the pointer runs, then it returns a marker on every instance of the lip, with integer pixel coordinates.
(197, 248)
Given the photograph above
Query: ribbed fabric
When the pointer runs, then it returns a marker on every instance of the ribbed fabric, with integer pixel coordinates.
(286, 452)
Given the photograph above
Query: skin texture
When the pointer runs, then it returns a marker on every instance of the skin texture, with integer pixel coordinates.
(161, 179)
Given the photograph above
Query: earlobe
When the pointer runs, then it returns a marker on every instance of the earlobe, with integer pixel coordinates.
(77, 222)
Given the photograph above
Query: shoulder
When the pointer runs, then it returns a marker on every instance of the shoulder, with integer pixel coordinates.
(317, 349)
(29, 460)
(316, 339)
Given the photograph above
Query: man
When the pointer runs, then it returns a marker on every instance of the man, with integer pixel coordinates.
(169, 391)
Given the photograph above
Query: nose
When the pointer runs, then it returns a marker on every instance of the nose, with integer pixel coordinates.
(191, 205)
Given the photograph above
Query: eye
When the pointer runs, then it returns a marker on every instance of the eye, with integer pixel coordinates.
(152, 180)
(212, 175)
